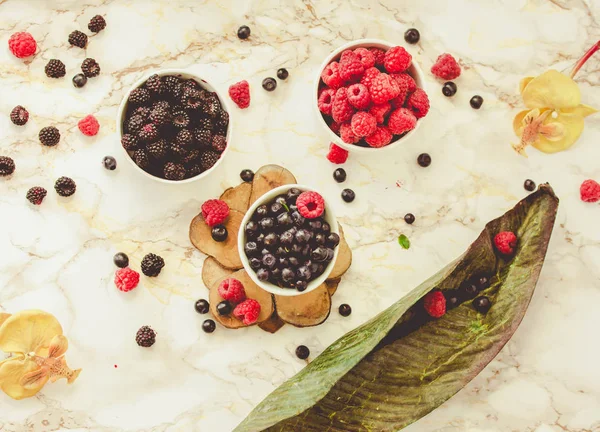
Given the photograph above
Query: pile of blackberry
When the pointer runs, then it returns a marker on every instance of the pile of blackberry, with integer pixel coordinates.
(174, 128)
(285, 248)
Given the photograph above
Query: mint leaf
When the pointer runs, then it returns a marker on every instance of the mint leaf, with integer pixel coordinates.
(404, 241)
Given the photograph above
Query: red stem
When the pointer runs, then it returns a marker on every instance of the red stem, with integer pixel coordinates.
(585, 58)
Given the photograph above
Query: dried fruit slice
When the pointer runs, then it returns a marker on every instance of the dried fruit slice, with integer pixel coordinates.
(12, 371)
(305, 310)
(29, 331)
(238, 198)
(273, 324)
(344, 258)
(226, 252)
(269, 177)
(3, 317)
(212, 272)
(332, 285)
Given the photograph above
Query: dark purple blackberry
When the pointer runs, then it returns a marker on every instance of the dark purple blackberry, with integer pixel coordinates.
(154, 84)
(212, 106)
(90, 68)
(191, 155)
(162, 104)
(143, 111)
(129, 141)
(158, 150)
(219, 143)
(208, 159)
(145, 337)
(172, 86)
(97, 24)
(203, 137)
(78, 39)
(65, 186)
(36, 195)
(7, 166)
(191, 84)
(55, 69)
(19, 115)
(222, 122)
(49, 136)
(149, 133)
(152, 265)
(135, 123)
(140, 157)
(178, 151)
(180, 119)
(192, 99)
(184, 138)
(174, 171)
(194, 170)
(139, 96)
(205, 123)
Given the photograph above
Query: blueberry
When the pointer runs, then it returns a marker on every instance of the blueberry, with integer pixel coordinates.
(262, 274)
(412, 36)
(424, 160)
(301, 285)
(298, 218)
(251, 249)
(348, 195)
(267, 223)
(409, 218)
(247, 175)
(224, 308)
(208, 326)
(255, 263)
(470, 289)
(482, 304)
(262, 211)
(284, 220)
(269, 84)
(339, 175)
(482, 282)
(282, 73)
(281, 252)
(251, 229)
(449, 89)
(296, 249)
(325, 228)
(303, 236)
(315, 224)
(293, 194)
(121, 260)
(283, 262)
(202, 306)
(271, 240)
(320, 239)
(529, 185)
(110, 163)
(276, 208)
(332, 240)
(305, 250)
(452, 298)
(219, 233)
(243, 32)
(345, 310)
(303, 273)
(79, 80)
(319, 254)
(286, 238)
(302, 352)
(476, 102)
(287, 274)
(281, 200)
(294, 261)
(330, 254)
(276, 273)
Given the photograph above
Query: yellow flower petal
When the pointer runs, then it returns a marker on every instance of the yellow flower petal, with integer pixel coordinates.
(518, 122)
(524, 83)
(552, 90)
(3, 317)
(29, 331)
(572, 129)
(11, 373)
(582, 110)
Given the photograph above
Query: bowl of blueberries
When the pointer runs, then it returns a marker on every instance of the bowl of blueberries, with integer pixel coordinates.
(288, 241)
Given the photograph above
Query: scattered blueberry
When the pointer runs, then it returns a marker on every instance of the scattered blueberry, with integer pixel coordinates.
(339, 175)
(476, 102)
(529, 185)
(409, 218)
(482, 304)
(449, 89)
(110, 163)
(219, 233)
(224, 308)
(243, 32)
(121, 260)
(412, 36)
(282, 73)
(348, 195)
(302, 352)
(247, 175)
(202, 306)
(345, 310)
(424, 160)
(79, 80)
(208, 326)
(269, 84)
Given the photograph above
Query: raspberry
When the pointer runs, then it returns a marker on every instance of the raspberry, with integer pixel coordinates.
(363, 124)
(358, 96)
(335, 127)
(366, 57)
(397, 59)
(505, 242)
(380, 111)
(215, 212)
(337, 155)
(347, 134)
(341, 110)
(126, 279)
(88, 125)
(435, 304)
(36, 195)
(232, 290)
(310, 204)
(348, 55)
(590, 191)
(401, 121)
(446, 67)
(325, 101)
(19, 115)
(248, 311)
(380, 138)
(419, 103)
(368, 76)
(350, 67)
(379, 55)
(240, 94)
(406, 85)
(383, 88)
(22, 44)
(331, 75)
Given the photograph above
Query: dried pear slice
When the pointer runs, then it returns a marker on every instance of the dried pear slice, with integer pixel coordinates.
(344, 258)
(305, 310)
(238, 198)
(226, 253)
(29, 331)
(268, 178)
(11, 374)
(212, 272)
(253, 291)
(273, 324)
(332, 285)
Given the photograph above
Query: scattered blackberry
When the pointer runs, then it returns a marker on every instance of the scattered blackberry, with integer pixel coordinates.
(158, 150)
(208, 159)
(121, 260)
(90, 68)
(180, 119)
(140, 157)
(282, 73)
(247, 175)
(142, 111)
(55, 69)
(19, 115)
(212, 107)
(78, 39)
(79, 80)
(205, 123)
(110, 163)
(243, 32)
(97, 23)
(7, 166)
(222, 122)
(194, 170)
(192, 99)
(65, 186)
(172, 86)
(219, 143)
(129, 141)
(208, 326)
(145, 337)
(203, 137)
(139, 96)
(36, 195)
(149, 133)
(184, 138)
(174, 171)
(412, 36)
(269, 84)
(152, 265)
(49, 136)
(154, 84)
(190, 156)
(160, 116)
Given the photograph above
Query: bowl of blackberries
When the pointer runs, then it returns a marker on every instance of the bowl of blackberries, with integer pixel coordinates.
(174, 126)
(288, 240)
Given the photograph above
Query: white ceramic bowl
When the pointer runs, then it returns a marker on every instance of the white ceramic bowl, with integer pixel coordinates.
(268, 286)
(183, 74)
(414, 70)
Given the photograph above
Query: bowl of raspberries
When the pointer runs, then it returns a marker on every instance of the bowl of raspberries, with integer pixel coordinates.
(174, 126)
(370, 95)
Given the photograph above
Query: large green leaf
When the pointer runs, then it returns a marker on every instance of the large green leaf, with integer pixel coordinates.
(397, 367)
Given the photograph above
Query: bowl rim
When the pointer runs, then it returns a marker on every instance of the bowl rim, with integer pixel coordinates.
(187, 74)
(267, 286)
(416, 73)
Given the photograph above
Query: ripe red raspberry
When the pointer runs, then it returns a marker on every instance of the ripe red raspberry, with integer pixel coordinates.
(215, 212)
(505, 242)
(310, 204)
(22, 44)
(341, 110)
(397, 59)
(331, 75)
(325, 101)
(358, 96)
(401, 121)
(351, 69)
(380, 111)
(435, 304)
(383, 88)
(419, 103)
(407, 85)
(335, 127)
(347, 134)
(368, 76)
(126, 279)
(337, 155)
(446, 67)
(348, 55)
(590, 191)
(88, 125)
(248, 311)
(379, 55)
(380, 138)
(240, 94)
(363, 124)
(366, 57)
(232, 290)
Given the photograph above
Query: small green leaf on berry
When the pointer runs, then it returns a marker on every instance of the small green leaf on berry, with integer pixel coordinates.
(404, 241)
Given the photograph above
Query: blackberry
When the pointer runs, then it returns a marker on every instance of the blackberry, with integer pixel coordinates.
(162, 104)
(78, 39)
(36, 195)
(243, 32)
(158, 150)
(97, 23)
(205, 123)
(222, 122)
(192, 99)
(174, 171)
(149, 133)
(7, 166)
(55, 69)
(110, 163)
(19, 115)
(65, 186)
(49, 136)
(184, 138)
(172, 86)
(208, 159)
(135, 123)
(143, 111)
(203, 137)
(180, 119)
(154, 84)
(79, 80)
(129, 141)
(282, 73)
(194, 169)
(145, 337)
(139, 96)
(152, 265)
(90, 68)
(219, 143)
(140, 157)
(191, 84)
(212, 106)
(190, 156)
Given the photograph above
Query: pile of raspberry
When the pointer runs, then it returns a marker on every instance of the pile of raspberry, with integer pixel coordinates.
(368, 98)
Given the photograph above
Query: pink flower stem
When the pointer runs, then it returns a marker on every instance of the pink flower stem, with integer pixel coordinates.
(585, 58)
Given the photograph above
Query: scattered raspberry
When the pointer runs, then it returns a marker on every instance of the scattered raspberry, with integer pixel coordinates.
(232, 290)
(22, 44)
(383, 88)
(240, 94)
(358, 96)
(419, 103)
(380, 111)
(446, 67)
(401, 121)
(363, 124)
(310, 204)
(590, 191)
(347, 134)
(368, 76)
(379, 55)
(88, 125)
(326, 100)
(337, 155)
(435, 304)
(248, 311)
(380, 138)
(126, 279)
(366, 57)
(351, 69)
(505, 242)
(341, 110)
(215, 212)
(331, 75)
(397, 59)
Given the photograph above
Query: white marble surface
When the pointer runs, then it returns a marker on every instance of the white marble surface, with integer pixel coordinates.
(58, 257)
